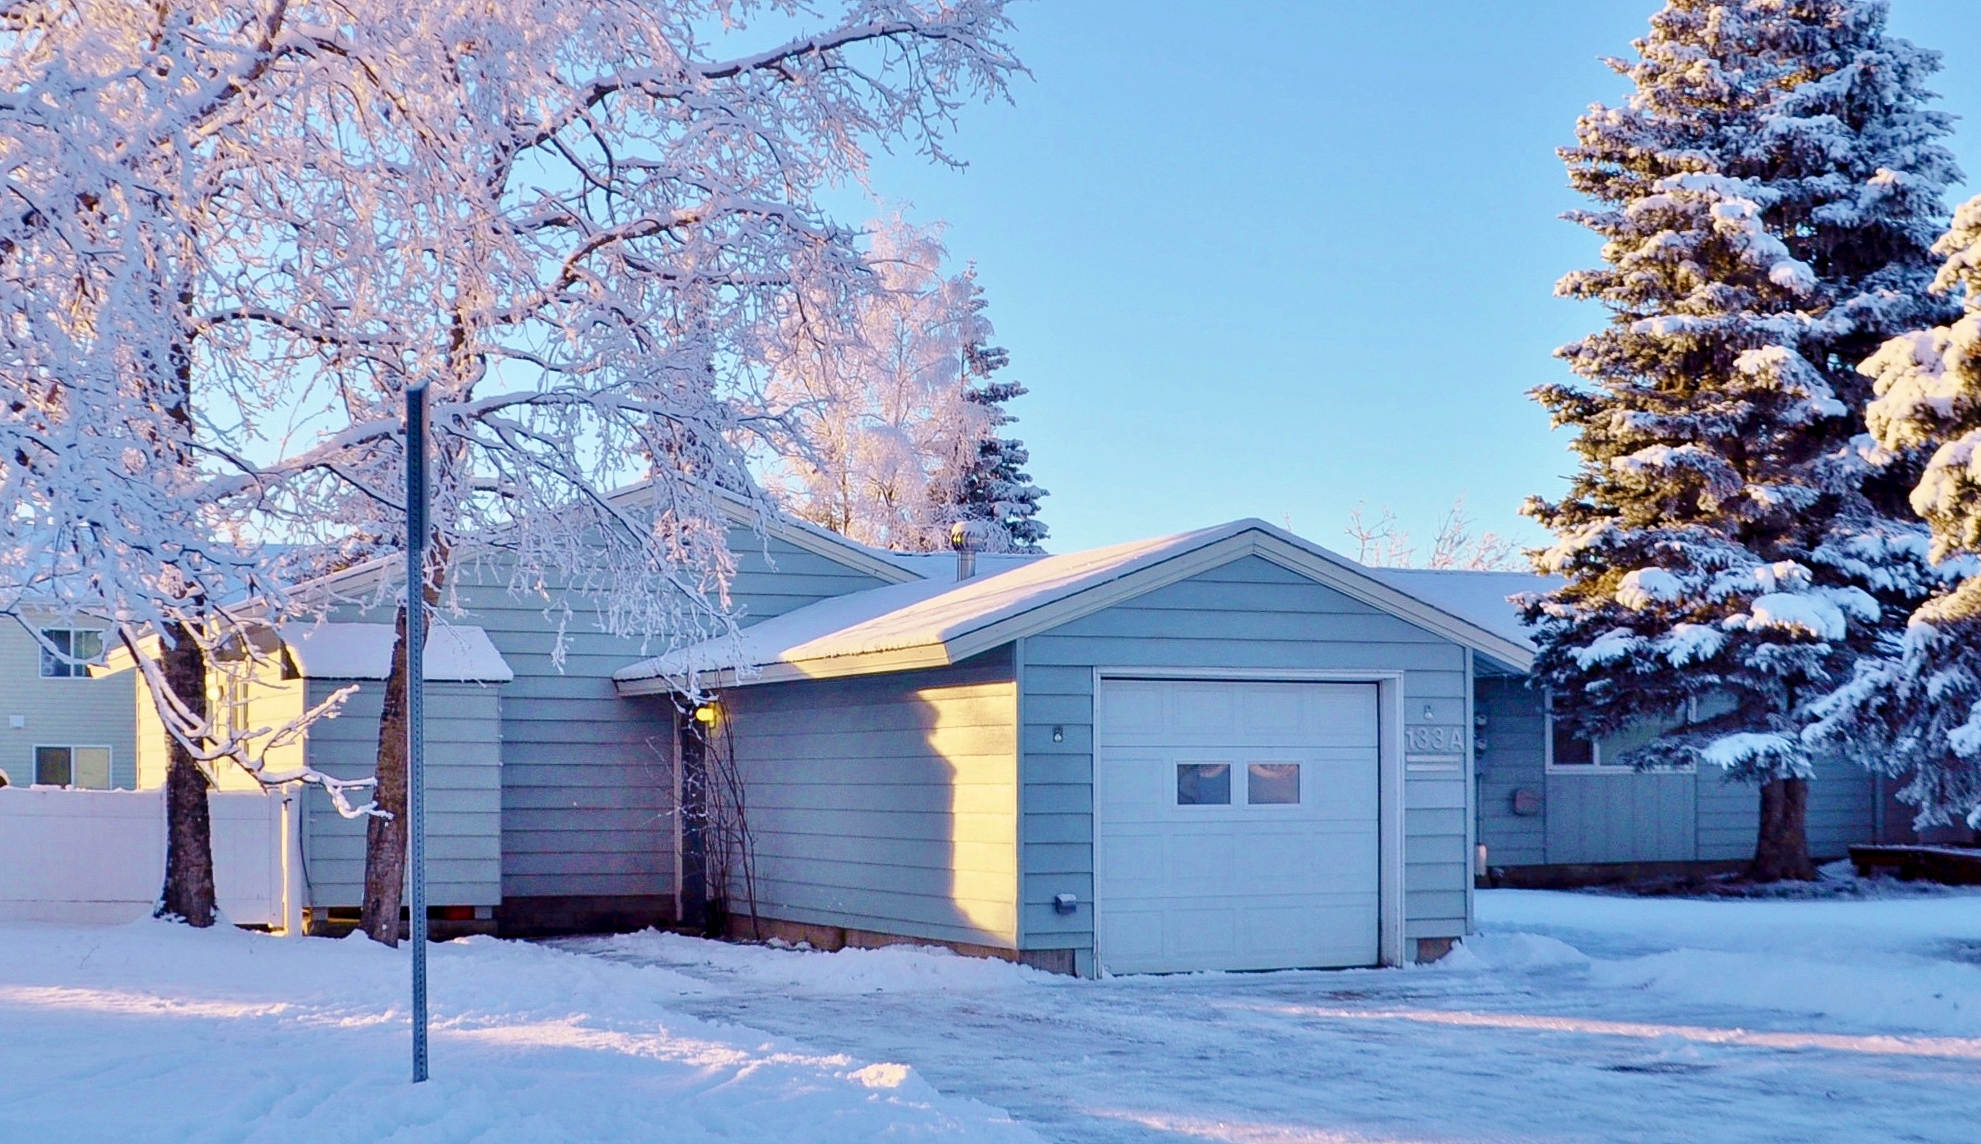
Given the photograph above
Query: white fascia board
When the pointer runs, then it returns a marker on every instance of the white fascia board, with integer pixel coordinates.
(1051, 614)
(1314, 566)
(836, 667)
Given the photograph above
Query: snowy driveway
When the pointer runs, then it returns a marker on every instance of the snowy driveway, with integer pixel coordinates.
(1654, 1020)
(1572, 1018)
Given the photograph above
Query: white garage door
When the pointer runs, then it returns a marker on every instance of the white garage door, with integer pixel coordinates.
(1237, 825)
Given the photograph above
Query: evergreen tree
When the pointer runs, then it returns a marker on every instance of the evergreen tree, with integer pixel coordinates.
(1731, 542)
(1917, 710)
(994, 488)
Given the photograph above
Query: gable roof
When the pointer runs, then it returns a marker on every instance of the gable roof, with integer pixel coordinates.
(883, 566)
(933, 623)
(1484, 598)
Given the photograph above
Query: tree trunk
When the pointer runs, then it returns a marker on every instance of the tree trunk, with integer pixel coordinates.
(188, 893)
(1781, 850)
(385, 838)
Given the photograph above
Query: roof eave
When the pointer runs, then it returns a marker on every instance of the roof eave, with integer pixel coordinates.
(913, 658)
(1257, 541)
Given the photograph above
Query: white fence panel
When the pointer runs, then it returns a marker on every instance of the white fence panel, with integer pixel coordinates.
(99, 856)
(80, 855)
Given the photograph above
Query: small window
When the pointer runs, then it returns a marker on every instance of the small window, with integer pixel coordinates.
(66, 652)
(1272, 784)
(235, 698)
(1570, 749)
(83, 768)
(53, 766)
(1203, 784)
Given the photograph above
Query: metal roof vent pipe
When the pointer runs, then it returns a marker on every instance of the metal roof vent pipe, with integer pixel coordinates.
(963, 538)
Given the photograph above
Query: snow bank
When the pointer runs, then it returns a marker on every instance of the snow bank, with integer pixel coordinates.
(891, 969)
(158, 1033)
(1516, 952)
(1894, 964)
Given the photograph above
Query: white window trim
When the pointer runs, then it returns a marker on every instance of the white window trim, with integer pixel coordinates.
(34, 768)
(77, 670)
(1596, 765)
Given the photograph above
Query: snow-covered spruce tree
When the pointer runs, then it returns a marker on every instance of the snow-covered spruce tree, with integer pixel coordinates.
(1767, 199)
(587, 234)
(994, 493)
(1916, 711)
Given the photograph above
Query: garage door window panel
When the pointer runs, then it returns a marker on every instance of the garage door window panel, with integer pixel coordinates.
(1272, 784)
(1203, 784)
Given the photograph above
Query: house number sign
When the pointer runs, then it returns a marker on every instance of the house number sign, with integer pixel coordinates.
(1434, 740)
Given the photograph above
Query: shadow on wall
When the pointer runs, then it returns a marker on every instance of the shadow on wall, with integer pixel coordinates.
(885, 805)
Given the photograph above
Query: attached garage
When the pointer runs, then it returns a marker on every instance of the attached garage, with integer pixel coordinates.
(1225, 750)
(1238, 824)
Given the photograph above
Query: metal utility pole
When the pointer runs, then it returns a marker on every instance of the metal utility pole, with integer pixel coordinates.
(416, 536)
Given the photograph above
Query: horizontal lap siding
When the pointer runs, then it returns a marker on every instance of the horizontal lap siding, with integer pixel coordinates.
(886, 803)
(1249, 614)
(588, 786)
(1513, 760)
(464, 795)
(72, 712)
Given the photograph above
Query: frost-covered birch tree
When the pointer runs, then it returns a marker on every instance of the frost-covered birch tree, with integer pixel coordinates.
(584, 227)
(1915, 712)
(895, 428)
(1767, 198)
(240, 231)
(121, 416)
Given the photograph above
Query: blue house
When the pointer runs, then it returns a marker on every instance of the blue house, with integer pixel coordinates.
(1228, 749)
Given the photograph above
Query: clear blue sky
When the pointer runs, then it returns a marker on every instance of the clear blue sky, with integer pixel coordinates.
(1274, 259)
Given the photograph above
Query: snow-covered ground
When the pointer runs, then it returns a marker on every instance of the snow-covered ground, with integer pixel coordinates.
(155, 1033)
(1572, 1017)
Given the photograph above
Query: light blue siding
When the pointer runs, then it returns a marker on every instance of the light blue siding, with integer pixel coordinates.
(1250, 614)
(885, 803)
(1611, 815)
(1511, 762)
(587, 776)
(1840, 813)
(1618, 816)
(464, 795)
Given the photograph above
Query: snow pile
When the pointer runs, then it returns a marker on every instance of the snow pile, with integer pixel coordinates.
(1902, 963)
(158, 1033)
(1925, 996)
(1513, 952)
(891, 969)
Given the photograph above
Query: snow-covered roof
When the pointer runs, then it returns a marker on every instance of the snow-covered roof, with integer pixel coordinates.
(942, 565)
(936, 622)
(1481, 597)
(455, 653)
